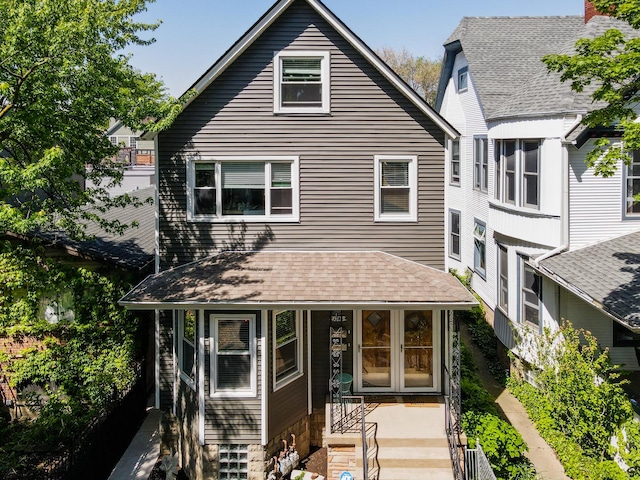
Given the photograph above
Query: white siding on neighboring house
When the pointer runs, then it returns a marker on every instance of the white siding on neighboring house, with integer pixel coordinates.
(597, 210)
(583, 315)
(463, 110)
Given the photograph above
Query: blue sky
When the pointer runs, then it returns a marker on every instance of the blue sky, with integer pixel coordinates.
(195, 33)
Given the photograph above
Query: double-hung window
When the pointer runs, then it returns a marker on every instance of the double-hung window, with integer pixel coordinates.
(530, 294)
(287, 346)
(396, 188)
(243, 188)
(480, 163)
(633, 184)
(454, 165)
(454, 234)
(233, 355)
(187, 345)
(503, 278)
(301, 82)
(517, 172)
(463, 79)
(479, 248)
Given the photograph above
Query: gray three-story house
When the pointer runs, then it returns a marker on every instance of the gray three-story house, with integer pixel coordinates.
(302, 186)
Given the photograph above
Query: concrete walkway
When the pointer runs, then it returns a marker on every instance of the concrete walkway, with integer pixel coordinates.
(142, 453)
(541, 455)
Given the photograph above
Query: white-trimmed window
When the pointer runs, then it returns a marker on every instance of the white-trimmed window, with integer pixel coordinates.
(187, 345)
(243, 189)
(480, 248)
(301, 82)
(530, 294)
(480, 163)
(503, 278)
(633, 184)
(287, 347)
(454, 164)
(517, 172)
(463, 79)
(454, 234)
(396, 188)
(233, 462)
(233, 355)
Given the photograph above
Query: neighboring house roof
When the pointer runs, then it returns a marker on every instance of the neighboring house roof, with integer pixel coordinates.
(504, 56)
(272, 15)
(606, 274)
(133, 250)
(301, 278)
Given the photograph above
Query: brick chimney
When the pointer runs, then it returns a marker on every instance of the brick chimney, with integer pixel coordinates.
(590, 11)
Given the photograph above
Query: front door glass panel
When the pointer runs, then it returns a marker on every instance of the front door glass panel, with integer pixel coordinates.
(418, 348)
(376, 348)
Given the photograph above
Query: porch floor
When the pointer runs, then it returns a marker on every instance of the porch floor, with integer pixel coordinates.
(409, 433)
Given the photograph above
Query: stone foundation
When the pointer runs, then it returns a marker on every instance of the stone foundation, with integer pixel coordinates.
(340, 458)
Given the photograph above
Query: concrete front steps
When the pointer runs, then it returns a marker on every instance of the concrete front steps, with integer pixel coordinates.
(409, 436)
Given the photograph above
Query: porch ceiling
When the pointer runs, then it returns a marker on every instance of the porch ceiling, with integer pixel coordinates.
(280, 278)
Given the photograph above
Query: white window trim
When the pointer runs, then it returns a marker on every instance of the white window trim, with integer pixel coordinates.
(213, 342)
(521, 302)
(325, 75)
(500, 173)
(191, 382)
(412, 216)
(481, 272)
(293, 375)
(455, 256)
(462, 71)
(481, 165)
(625, 186)
(454, 181)
(503, 282)
(267, 217)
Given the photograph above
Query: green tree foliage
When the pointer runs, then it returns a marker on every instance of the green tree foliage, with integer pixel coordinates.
(82, 363)
(609, 66)
(63, 76)
(420, 73)
(579, 404)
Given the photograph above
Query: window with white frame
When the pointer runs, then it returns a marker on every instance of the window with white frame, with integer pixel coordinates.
(480, 163)
(503, 278)
(479, 248)
(233, 355)
(396, 188)
(243, 188)
(187, 345)
(233, 462)
(517, 172)
(530, 294)
(633, 184)
(287, 346)
(454, 234)
(463, 79)
(454, 177)
(301, 82)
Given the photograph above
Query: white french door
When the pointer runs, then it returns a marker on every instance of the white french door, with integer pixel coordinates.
(397, 351)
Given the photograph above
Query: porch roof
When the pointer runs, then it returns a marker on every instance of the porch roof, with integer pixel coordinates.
(300, 278)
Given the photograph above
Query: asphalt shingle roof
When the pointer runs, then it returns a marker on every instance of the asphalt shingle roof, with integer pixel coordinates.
(300, 277)
(608, 273)
(504, 56)
(134, 249)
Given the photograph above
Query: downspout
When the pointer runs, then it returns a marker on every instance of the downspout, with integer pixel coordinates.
(564, 209)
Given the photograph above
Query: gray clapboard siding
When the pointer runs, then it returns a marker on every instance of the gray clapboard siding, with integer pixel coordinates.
(166, 359)
(368, 117)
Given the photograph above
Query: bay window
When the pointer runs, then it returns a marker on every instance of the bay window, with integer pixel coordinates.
(517, 172)
(248, 189)
(530, 294)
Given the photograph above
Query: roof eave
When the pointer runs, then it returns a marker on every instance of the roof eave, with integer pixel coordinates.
(450, 51)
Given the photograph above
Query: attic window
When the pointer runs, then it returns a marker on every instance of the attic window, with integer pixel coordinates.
(301, 82)
(463, 79)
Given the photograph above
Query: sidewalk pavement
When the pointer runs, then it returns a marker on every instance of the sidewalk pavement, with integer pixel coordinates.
(541, 455)
(142, 453)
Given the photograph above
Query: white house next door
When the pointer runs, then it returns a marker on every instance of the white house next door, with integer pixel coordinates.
(397, 351)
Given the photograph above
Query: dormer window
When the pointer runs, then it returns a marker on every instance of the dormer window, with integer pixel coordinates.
(463, 79)
(301, 82)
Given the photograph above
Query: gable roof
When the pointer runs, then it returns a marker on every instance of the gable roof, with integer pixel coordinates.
(606, 275)
(273, 14)
(301, 278)
(504, 56)
(134, 249)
